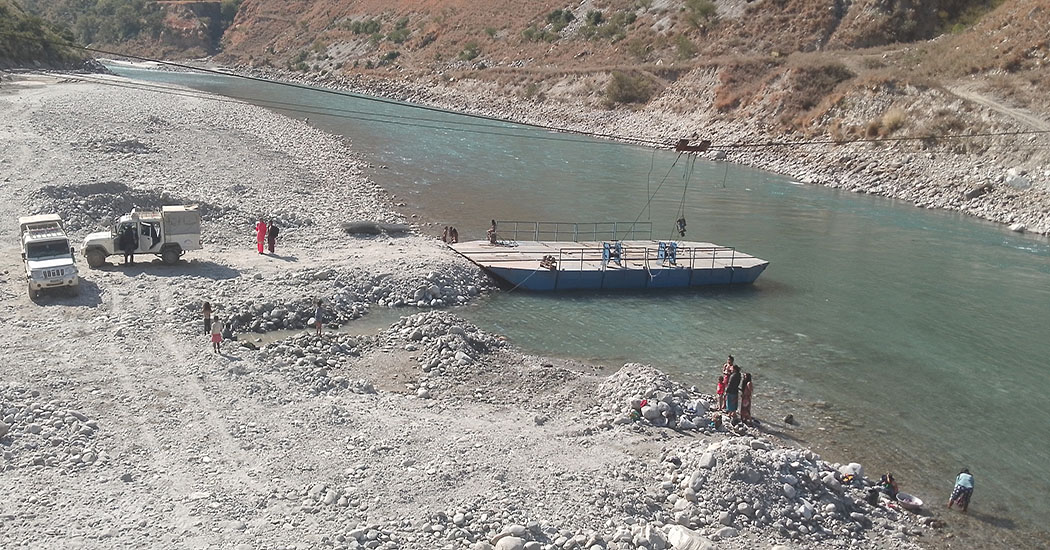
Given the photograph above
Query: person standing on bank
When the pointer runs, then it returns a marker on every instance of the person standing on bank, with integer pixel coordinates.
(271, 235)
(727, 368)
(216, 334)
(746, 389)
(260, 234)
(206, 311)
(318, 314)
(733, 393)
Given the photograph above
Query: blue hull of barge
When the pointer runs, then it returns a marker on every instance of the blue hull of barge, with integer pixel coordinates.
(545, 266)
(546, 281)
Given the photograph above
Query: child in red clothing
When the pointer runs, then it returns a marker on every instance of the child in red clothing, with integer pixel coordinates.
(722, 392)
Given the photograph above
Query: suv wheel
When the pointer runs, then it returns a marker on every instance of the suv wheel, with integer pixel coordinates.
(170, 255)
(95, 258)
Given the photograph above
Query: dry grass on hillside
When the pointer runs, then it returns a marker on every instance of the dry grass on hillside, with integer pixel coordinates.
(785, 61)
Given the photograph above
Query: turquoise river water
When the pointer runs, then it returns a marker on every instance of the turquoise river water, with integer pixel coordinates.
(927, 330)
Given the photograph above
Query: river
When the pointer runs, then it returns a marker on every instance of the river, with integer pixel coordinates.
(924, 332)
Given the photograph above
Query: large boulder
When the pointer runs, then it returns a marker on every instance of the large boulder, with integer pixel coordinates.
(978, 191)
(681, 538)
(1017, 178)
(510, 543)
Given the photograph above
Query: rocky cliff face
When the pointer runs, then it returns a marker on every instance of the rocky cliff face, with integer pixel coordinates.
(813, 49)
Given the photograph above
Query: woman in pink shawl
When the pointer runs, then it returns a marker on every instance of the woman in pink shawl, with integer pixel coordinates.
(260, 234)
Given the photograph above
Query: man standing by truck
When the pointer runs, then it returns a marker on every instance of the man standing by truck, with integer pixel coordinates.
(271, 235)
(129, 241)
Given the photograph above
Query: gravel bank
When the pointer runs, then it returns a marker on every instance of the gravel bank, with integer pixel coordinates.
(121, 428)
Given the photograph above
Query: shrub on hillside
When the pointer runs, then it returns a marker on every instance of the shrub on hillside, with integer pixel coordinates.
(639, 48)
(370, 26)
(701, 13)
(893, 119)
(470, 51)
(532, 34)
(624, 88)
(559, 19)
(612, 28)
(400, 32)
(685, 48)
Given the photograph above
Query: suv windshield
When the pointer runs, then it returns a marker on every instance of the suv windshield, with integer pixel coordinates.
(50, 249)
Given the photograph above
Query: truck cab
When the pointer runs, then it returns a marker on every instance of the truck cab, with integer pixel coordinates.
(168, 233)
(48, 258)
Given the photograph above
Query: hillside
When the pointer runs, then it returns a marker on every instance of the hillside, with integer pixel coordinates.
(804, 47)
(28, 40)
(168, 28)
(788, 62)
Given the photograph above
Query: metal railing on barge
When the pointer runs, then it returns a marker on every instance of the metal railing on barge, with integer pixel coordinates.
(574, 231)
(685, 257)
(690, 257)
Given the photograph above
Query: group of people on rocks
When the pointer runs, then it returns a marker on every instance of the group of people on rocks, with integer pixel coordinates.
(266, 233)
(960, 496)
(735, 388)
(219, 331)
(450, 235)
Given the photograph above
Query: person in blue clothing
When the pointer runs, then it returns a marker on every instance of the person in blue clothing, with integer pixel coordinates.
(963, 490)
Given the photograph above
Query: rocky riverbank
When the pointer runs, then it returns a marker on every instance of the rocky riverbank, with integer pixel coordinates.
(1002, 178)
(121, 428)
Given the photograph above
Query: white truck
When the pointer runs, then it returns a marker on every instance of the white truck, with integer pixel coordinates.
(168, 233)
(48, 258)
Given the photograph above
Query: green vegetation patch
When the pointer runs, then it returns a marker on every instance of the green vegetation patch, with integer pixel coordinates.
(533, 34)
(628, 88)
(370, 26)
(959, 15)
(118, 21)
(612, 28)
(701, 13)
(559, 19)
(401, 31)
(470, 51)
(27, 39)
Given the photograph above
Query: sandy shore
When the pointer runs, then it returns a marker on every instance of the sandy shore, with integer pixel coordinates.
(121, 429)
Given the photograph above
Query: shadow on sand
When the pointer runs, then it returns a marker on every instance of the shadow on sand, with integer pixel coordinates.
(89, 295)
(1001, 522)
(155, 267)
